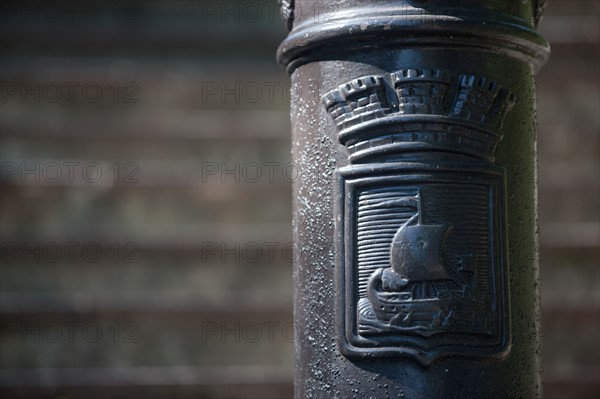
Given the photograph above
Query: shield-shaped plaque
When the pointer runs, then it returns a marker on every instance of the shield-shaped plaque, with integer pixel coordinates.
(422, 261)
(421, 236)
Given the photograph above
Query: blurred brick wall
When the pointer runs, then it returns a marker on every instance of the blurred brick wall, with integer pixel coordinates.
(569, 196)
(146, 194)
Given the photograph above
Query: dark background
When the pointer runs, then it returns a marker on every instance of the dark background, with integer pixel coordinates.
(146, 200)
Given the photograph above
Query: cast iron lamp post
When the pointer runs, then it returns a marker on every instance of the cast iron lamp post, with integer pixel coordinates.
(415, 220)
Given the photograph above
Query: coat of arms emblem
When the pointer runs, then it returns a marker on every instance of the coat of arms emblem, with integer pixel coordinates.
(421, 237)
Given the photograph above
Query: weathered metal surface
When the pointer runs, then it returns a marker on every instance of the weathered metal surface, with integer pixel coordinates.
(415, 214)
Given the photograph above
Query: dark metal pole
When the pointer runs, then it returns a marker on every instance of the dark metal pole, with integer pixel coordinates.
(413, 126)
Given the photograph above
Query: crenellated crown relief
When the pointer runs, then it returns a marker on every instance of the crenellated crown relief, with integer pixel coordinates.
(419, 109)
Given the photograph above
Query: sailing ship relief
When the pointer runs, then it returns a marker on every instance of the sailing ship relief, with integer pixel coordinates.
(424, 290)
(421, 235)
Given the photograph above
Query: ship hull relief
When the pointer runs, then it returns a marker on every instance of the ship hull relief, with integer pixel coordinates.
(421, 238)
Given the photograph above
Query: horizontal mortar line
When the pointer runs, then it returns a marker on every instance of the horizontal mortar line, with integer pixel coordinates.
(152, 124)
(178, 183)
(210, 192)
(164, 32)
(114, 46)
(134, 248)
(96, 62)
(150, 302)
(186, 235)
(124, 135)
(202, 251)
(145, 376)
